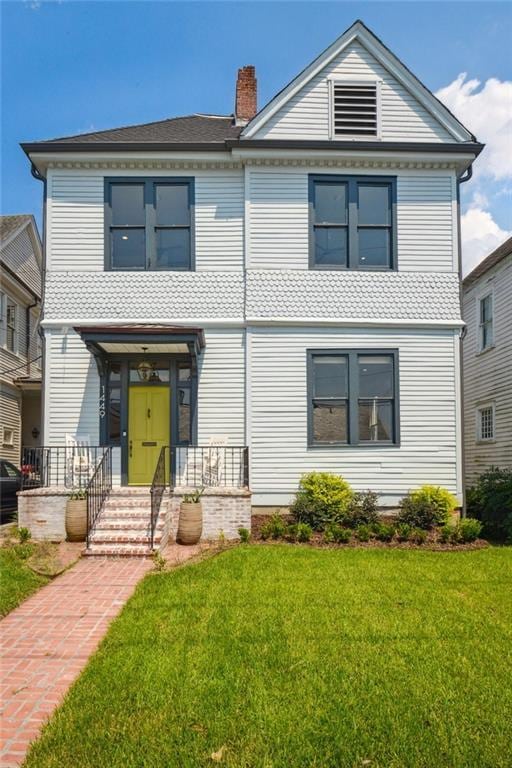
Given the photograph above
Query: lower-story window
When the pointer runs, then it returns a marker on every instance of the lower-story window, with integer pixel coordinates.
(352, 397)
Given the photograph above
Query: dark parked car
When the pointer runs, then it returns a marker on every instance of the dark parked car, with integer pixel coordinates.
(10, 483)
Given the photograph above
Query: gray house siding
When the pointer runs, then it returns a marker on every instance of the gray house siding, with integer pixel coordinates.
(488, 374)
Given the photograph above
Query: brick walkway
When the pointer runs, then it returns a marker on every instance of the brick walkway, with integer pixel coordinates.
(46, 641)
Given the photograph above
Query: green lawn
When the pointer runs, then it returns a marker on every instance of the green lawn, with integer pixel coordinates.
(17, 581)
(290, 656)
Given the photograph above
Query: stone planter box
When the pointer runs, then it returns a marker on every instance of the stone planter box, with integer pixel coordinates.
(225, 510)
(43, 512)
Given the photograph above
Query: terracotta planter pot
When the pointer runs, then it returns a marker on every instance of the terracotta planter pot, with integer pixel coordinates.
(190, 525)
(76, 519)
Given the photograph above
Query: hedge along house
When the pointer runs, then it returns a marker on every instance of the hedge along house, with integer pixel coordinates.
(285, 280)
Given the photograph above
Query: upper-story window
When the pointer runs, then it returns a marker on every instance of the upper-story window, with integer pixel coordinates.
(149, 224)
(10, 317)
(352, 222)
(354, 109)
(486, 323)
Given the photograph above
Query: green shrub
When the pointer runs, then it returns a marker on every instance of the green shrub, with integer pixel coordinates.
(403, 531)
(336, 534)
(158, 561)
(362, 509)
(446, 533)
(322, 498)
(418, 535)
(274, 528)
(468, 529)
(490, 501)
(383, 531)
(304, 532)
(24, 535)
(427, 507)
(363, 532)
(290, 532)
(301, 532)
(244, 534)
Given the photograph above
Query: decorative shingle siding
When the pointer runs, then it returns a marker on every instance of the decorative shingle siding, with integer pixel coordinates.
(139, 296)
(293, 294)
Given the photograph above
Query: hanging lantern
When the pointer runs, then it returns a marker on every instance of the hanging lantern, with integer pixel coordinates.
(144, 368)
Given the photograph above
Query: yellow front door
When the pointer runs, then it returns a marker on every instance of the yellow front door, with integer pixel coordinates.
(148, 431)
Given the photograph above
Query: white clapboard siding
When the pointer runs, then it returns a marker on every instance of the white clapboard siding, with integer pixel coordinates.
(76, 218)
(278, 222)
(278, 415)
(306, 115)
(221, 395)
(488, 376)
(72, 389)
(19, 256)
(10, 418)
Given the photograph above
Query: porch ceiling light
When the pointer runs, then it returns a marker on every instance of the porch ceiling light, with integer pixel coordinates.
(144, 368)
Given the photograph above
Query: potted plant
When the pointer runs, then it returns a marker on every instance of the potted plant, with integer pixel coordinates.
(190, 525)
(76, 515)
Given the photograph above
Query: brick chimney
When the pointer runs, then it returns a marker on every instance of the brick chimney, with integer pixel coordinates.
(246, 95)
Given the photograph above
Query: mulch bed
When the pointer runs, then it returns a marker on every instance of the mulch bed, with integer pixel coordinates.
(432, 542)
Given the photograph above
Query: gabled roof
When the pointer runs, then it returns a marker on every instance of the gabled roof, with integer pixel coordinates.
(503, 250)
(361, 33)
(12, 224)
(27, 275)
(192, 129)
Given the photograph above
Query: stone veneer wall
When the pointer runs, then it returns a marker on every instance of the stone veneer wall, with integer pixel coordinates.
(43, 512)
(225, 510)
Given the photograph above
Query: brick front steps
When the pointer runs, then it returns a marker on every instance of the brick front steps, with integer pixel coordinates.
(123, 526)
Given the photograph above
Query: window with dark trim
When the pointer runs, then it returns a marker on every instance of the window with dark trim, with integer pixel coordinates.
(149, 224)
(352, 397)
(486, 322)
(11, 326)
(352, 222)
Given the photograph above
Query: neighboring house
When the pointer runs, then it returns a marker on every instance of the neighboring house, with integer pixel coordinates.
(20, 345)
(287, 278)
(487, 363)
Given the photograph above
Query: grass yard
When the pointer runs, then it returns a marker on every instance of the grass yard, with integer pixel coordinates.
(17, 581)
(282, 656)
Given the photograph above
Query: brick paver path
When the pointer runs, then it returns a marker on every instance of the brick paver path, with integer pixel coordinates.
(46, 641)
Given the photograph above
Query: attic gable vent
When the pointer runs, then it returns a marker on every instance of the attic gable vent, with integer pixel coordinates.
(355, 109)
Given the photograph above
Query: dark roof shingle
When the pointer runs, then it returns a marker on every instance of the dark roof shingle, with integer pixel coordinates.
(12, 222)
(176, 130)
(490, 261)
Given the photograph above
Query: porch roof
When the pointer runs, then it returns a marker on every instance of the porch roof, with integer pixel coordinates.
(130, 339)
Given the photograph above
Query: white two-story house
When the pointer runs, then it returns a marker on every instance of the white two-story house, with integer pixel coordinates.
(284, 279)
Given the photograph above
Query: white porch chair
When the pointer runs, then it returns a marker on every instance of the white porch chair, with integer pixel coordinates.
(214, 461)
(79, 464)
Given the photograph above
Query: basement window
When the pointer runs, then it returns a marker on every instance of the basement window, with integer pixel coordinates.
(355, 109)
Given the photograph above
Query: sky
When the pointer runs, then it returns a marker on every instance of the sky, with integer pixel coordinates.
(69, 67)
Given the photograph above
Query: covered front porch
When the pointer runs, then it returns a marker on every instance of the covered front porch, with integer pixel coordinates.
(137, 519)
